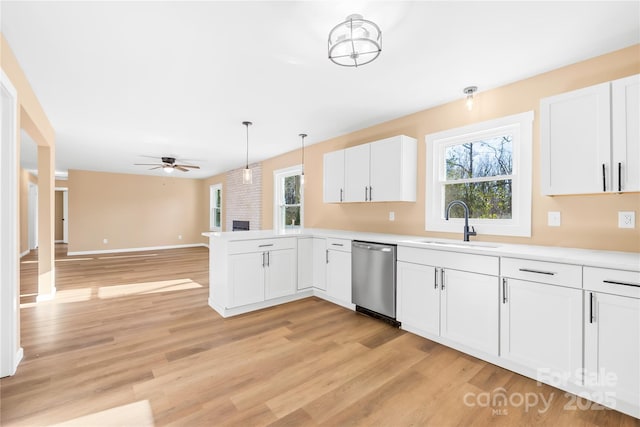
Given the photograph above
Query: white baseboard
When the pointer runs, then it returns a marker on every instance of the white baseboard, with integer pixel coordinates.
(60, 241)
(24, 253)
(46, 297)
(149, 248)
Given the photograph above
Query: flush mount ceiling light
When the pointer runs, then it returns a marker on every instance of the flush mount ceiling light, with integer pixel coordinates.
(247, 176)
(303, 136)
(354, 42)
(469, 91)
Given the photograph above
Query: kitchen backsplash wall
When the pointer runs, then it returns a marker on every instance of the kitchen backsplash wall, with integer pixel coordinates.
(588, 221)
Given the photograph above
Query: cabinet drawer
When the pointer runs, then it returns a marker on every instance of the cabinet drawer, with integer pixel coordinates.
(617, 282)
(334, 244)
(552, 273)
(262, 245)
(482, 264)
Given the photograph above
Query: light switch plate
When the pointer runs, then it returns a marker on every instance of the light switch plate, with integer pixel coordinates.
(392, 216)
(553, 219)
(627, 219)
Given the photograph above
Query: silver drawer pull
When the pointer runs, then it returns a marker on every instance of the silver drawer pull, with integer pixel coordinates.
(337, 244)
(611, 282)
(265, 246)
(548, 273)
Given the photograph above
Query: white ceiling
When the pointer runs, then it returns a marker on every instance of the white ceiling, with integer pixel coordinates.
(123, 80)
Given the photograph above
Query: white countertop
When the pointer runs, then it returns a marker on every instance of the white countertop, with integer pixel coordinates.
(589, 257)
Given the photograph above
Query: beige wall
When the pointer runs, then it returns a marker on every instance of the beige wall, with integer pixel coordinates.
(25, 179)
(587, 221)
(132, 211)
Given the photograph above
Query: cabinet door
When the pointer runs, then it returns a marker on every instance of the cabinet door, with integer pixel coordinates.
(469, 310)
(541, 328)
(246, 279)
(575, 135)
(386, 170)
(281, 273)
(339, 275)
(356, 169)
(418, 298)
(305, 263)
(612, 345)
(625, 98)
(333, 177)
(320, 263)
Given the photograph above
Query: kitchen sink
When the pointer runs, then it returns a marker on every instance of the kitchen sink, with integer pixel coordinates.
(458, 244)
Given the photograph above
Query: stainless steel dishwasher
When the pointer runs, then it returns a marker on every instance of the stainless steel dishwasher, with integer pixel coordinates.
(373, 279)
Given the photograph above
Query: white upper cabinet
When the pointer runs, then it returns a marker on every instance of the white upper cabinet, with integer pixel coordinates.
(356, 173)
(625, 98)
(380, 171)
(590, 139)
(333, 173)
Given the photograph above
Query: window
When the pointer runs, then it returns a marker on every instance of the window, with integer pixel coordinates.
(215, 201)
(487, 166)
(288, 199)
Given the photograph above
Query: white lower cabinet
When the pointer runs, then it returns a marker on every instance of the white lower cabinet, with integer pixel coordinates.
(612, 338)
(541, 318)
(338, 261)
(459, 306)
(541, 328)
(280, 273)
(246, 279)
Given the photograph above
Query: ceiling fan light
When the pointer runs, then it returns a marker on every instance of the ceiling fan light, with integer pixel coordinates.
(167, 169)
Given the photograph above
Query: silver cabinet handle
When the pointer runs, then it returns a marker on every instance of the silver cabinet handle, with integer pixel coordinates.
(592, 317)
(504, 290)
(268, 258)
(442, 279)
(370, 193)
(341, 191)
(527, 270)
(263, 259)
(266, 245)
(327, 255)
(340, 244)
(604, 178)
(435, 278)
(365, 194)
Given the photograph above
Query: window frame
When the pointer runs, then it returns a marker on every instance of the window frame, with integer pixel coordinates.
(521, 127)
(212, 207)
(278, 198)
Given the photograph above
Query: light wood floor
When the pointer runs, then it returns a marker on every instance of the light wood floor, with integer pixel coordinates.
(130, 340)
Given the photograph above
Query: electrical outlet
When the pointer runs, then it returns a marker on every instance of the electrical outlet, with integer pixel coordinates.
(627, 219)
(392, 216)
(105, 241)
(553, 219)
(179, 236)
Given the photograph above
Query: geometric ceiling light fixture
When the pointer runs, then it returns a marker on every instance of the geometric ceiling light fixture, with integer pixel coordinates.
(469, 91)
(303, 136)
(247, 176)
(354, 42)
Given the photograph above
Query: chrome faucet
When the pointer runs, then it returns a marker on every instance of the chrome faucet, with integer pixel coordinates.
(467, 233)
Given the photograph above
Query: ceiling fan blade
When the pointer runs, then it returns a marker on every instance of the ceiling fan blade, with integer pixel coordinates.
(157, 167)
(180, 168)
(145, 164)
(189, 166)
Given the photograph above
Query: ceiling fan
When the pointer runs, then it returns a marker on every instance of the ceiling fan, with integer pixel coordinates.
(168, 165)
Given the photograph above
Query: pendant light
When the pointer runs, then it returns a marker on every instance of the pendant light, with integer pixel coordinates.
(303, 136)
(469, 91)
(247, 176)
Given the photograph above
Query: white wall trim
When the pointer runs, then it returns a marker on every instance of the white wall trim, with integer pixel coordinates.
(148, 248)
(47, 297)
(10, 350)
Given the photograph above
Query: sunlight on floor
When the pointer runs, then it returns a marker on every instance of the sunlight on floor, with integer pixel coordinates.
(137, 414)
(126, 256)
(147, 288)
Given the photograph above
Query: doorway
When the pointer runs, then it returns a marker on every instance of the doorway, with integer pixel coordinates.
(61, 215)
(32, 216)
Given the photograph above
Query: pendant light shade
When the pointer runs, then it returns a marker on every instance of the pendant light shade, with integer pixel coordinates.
(302, 136)
(354, 42)
(469, 91)
(247, 175)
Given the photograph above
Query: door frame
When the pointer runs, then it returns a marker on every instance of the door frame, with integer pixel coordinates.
(10, 351)
(65, 213)
(32, 216)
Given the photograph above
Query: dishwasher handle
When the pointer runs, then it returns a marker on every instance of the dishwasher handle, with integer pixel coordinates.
(372, 246)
